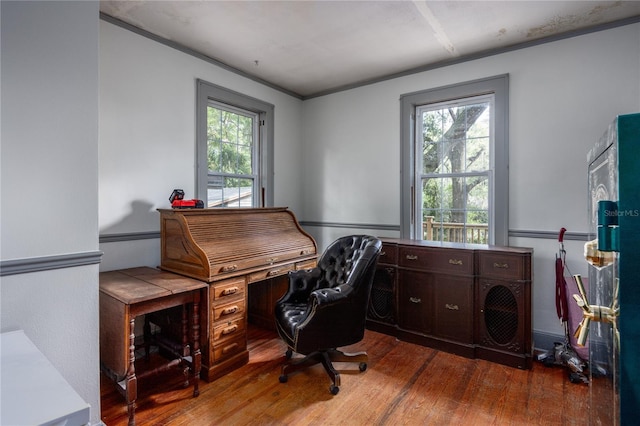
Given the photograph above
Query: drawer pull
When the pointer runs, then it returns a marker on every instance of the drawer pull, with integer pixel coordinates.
(415, 300)
(307, 251)
(229, 348)
(451, 307)
(383, 253)
(272, 260)
(455, 261)
(229, 330)
(229, 268)
(412, 257)
(229, 311)
(229, 291)
(274, 272)
(501, 265)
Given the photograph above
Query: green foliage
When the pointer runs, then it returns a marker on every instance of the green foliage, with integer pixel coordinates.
(229, 142)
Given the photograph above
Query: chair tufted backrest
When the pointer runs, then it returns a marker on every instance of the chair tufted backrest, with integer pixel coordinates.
(340, 258)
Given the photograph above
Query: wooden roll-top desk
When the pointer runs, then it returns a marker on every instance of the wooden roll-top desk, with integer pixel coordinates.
(230, 249)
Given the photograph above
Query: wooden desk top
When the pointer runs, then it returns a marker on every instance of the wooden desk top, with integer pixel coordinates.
(136, 285)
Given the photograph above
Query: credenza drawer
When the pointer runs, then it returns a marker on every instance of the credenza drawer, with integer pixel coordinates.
(388, 254)
(503, 266)
(224, 312)
(436, 260)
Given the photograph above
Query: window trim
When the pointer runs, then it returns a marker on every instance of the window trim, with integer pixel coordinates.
(206, 92)
(499, 86)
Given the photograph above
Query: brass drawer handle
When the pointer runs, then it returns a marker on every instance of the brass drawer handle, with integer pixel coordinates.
(229, 291)
(272, 260)
(451, 307)
(229, 330)
(383, 253)
(412, 257)
(415, 300)
(501, 265)
(274, 272)
(229, 311)
(455, 261)
(229, 268)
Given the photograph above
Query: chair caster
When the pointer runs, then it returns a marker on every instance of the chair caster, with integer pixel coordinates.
(334, 389)
(283, 378)
(362, 366)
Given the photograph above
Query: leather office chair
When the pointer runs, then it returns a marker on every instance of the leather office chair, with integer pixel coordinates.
(325, 308)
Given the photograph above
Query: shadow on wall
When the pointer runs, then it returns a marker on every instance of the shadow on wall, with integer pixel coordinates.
(142, 218)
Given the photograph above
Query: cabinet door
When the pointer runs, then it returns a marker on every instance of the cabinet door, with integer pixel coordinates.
(502, 319)
(382, 299)
(415, 301)
(453, 308)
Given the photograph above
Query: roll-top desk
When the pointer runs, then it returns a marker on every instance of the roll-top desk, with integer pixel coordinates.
(231, 249)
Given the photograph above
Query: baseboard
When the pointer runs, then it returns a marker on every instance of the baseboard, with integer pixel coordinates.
(544, 342)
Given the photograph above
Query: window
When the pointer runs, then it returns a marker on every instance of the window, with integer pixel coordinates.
(454, 152)
(234, 148)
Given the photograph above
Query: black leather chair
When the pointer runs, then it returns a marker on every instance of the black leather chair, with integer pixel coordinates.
(325, 308)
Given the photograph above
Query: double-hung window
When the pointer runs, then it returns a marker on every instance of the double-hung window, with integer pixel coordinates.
(234, 148)
(455, 153)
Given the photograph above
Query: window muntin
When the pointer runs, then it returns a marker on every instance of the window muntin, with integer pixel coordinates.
(454, 139)
(232, 163)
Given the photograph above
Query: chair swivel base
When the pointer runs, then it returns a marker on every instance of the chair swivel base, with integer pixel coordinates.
(326, 358)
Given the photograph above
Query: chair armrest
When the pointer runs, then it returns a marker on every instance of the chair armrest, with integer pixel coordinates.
(327, 296)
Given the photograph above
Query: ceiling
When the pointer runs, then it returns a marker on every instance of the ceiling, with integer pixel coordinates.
(308, 48)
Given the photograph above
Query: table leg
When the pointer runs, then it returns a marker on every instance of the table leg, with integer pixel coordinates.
(131, 380)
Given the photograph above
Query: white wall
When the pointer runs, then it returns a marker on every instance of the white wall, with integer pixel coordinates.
(562, 97)
(147, 137)
(50, 181)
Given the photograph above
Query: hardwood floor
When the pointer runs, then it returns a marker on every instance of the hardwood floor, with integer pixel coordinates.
(404, 384)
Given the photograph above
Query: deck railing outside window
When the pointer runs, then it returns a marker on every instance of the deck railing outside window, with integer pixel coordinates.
(477, 233)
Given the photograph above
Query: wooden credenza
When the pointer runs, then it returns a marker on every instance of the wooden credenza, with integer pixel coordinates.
(468, 299)
(244, 255)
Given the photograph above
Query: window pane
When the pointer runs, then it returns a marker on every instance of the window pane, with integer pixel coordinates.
(229, 142)
(230, 192)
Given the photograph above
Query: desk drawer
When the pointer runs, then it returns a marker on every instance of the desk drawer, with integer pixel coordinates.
(228, 348)
(228, 311)
(307, 264)
(455, 261)
(270, 273)
(228, 330)
(227, 289)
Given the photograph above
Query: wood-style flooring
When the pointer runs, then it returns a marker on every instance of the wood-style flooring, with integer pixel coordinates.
(405, 384)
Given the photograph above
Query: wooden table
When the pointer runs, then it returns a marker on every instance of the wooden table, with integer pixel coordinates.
(128, 293)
